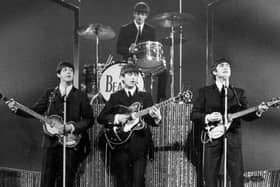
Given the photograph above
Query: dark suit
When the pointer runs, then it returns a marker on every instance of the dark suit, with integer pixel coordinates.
(127, 36)
(129, 159)
(79, 111)
(211, 100)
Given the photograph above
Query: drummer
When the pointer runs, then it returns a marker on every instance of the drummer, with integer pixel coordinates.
(135, 32)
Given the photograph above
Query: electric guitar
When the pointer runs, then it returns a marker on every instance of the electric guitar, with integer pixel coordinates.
(51, 124)
(273, 103)
(120, 134)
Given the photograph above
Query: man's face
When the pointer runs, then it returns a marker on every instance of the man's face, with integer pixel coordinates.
(140, 17)
(66, 74)
(130, 79)
(222, 70)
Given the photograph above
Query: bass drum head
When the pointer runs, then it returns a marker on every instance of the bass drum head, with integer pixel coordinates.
(110, 80)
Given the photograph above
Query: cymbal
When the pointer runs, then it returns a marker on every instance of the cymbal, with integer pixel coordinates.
(167, 41)
(92, 31)
(172, 19)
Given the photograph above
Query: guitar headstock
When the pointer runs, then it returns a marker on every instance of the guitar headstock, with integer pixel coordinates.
(185, 96)
(2, 97)
(275, 102)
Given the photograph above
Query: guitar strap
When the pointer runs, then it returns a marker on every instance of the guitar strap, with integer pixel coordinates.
(51, 99)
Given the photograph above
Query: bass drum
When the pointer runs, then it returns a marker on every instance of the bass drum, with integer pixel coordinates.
(110, 80)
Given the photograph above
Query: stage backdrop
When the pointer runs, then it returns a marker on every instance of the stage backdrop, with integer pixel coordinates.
(36, 34)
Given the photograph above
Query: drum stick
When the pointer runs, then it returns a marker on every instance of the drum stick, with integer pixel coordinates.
(109, 59)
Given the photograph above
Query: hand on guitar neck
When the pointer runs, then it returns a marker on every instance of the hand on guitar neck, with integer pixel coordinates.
(154, 112)
(12, 105)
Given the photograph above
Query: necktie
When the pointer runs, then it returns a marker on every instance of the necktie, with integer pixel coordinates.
(223, 91)
(129, 94)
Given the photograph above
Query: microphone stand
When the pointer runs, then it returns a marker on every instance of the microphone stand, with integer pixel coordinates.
(64, 139)
(226, 85)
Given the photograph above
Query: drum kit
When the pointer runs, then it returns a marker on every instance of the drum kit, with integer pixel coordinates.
(104, 79)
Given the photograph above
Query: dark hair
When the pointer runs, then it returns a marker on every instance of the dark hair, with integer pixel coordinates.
(141, 7)
(63, 64)
(129, 68)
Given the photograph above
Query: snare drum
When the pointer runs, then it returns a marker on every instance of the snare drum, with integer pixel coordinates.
(149, 55)
(110, 81)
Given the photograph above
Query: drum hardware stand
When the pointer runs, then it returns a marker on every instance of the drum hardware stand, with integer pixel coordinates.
(97, 59)
(180, 49)
(96, 32)
(172, 61)
(98, 71)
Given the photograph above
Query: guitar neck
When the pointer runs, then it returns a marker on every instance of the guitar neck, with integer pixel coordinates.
(31, 112)
(243, 112)
(159, 105)
(26, 109)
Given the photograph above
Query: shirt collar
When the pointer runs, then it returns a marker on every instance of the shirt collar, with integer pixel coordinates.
(219, 85)
(132, 91)
(62, 89)
(137, 25)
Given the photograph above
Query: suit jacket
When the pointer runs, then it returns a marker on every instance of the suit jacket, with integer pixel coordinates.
(139, 142)
(211, 100)
(128, 34)
(78, 110)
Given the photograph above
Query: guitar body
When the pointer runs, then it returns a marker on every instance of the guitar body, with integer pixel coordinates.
(51, 127)
(118, 135)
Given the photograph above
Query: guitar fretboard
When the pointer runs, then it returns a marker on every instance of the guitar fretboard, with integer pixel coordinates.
(243, 113)
(31, 112)
(252, 109)
(159, 105)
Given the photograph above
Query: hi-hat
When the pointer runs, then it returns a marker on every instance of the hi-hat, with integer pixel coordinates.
(92, 31)
(167, 41)
(172, 19)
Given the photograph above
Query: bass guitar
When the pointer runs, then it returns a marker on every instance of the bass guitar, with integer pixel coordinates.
(51, 124)
(120, 134)
(273, 103)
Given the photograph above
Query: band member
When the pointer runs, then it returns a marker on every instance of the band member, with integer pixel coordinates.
(78, 111)
(136, 32)
(129, 159)
(209, 109)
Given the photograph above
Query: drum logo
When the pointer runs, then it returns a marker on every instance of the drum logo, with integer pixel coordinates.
(111, 85)
(111, 82)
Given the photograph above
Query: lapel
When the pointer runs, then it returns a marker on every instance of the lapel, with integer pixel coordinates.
(134, 28)
(58, 94)
(72, 91)
(219, 94)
